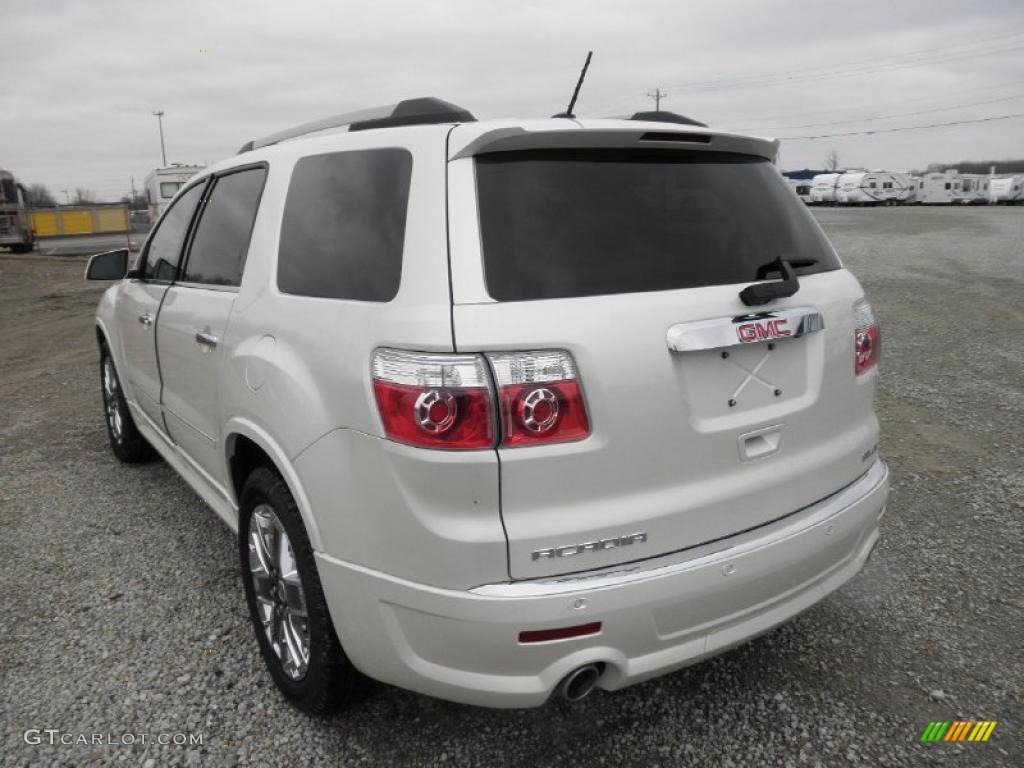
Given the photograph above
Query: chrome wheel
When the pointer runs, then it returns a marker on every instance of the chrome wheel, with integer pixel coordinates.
(111, 399)
(280, 601)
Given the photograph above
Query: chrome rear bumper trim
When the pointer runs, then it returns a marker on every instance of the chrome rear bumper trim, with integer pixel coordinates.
(701, 555)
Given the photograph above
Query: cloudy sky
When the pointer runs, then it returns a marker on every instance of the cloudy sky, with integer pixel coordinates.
(81, 78)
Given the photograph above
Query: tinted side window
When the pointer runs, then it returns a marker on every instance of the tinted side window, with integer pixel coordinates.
(344, 225)
(222, 236)
(165, 245)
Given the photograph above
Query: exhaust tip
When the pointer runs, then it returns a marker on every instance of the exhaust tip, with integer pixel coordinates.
(578, 684)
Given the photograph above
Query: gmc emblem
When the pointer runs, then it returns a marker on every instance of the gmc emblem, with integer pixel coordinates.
(762, 330)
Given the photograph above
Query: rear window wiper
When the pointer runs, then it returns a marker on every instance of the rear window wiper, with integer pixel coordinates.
(761, 293)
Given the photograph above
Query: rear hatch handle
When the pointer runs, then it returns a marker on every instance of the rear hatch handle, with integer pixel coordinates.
(761, 293)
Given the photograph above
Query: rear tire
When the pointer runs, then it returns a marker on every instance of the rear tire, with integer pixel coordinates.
(126, 441)
(286, 600)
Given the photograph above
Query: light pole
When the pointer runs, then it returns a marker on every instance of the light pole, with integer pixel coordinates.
(159, 115)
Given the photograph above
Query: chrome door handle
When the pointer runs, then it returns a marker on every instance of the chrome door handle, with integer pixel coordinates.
(206, 339)
(146, 319)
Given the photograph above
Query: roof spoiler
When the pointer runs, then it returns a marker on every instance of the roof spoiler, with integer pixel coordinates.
(421, 111)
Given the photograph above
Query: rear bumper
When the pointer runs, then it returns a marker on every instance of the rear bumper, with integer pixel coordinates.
(657, 615)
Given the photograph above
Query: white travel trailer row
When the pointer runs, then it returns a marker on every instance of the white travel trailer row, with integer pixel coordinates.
(862, 188)
(889, 188)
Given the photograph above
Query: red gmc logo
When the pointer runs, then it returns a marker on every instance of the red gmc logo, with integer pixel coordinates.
(760, 330)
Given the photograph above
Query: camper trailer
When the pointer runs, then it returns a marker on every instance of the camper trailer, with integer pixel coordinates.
(162, 184)
(802, 188)
(1006, 190)
(823, 188)
(975, 189)
(872, 188)
(914, 190)
(941, 188)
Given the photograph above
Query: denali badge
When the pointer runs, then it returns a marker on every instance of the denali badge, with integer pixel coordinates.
(591, 546)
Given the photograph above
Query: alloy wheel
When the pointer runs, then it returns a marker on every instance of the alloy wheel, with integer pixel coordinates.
(111, 400)
(280, 600)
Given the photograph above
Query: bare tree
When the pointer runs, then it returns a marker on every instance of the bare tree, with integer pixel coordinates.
(38, 196)
(83, 196)
(832, 160)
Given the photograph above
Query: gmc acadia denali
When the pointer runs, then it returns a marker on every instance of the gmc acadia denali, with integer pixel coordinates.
(503, 409)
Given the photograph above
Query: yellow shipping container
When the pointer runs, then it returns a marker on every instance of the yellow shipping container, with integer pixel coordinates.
(76, 222)
(44, 223)
(111, 220)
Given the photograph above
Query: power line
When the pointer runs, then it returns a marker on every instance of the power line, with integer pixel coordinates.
(898, 114)
(918, 57)
(858, 107)
(904, 128)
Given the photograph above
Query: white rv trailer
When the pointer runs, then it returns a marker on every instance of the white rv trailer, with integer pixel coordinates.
(802, 188)
(941, 188)
(914, 193)
(1007, 190)
(974, 188)
(162, 184)
(873, 188)
(823, 188)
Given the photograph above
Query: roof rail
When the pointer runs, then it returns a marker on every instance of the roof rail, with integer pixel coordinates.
(666, 117)
(422, 111)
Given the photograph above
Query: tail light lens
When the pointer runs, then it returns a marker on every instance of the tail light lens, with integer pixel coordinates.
(540, 397)
(434, 401)
(866, 339)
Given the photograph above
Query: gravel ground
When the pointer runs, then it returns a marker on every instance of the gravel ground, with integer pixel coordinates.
(123, 608)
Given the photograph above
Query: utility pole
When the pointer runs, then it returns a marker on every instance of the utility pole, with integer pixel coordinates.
(159, 115)
(658, 95)
(67, 197)
(133, 189)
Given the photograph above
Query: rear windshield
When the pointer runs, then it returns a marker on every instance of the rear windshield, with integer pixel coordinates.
(563, 223)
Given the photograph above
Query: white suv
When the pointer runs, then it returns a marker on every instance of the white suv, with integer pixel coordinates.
(504, 408)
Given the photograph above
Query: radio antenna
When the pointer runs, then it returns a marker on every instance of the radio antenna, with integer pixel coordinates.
(579, 83)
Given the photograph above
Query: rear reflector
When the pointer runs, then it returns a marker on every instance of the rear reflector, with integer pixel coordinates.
(561, 633)
(867, 337)
(540, 397)
(434, 401)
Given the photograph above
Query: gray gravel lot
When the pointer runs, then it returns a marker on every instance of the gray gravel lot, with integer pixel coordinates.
(123, 609)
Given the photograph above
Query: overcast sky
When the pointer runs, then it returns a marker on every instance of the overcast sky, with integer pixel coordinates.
(81, 79)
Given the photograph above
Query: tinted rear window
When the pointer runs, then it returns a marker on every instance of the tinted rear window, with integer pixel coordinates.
(557, 223)
(344, 225)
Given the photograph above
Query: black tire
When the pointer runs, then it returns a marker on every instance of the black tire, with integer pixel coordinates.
(20, 248)
(126, 441)
(330, 681)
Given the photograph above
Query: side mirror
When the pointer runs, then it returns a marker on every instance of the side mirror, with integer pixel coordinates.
(109, 265)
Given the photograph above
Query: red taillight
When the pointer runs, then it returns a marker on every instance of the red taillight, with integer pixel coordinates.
(560, 633)
(435, 401)
(866, 337)
(446, 401)
(541, 400)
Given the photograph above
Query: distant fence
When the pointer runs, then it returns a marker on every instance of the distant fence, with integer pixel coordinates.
(81, 220)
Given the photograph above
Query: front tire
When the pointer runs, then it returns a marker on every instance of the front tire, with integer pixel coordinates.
(126, 441)
(286, 601)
